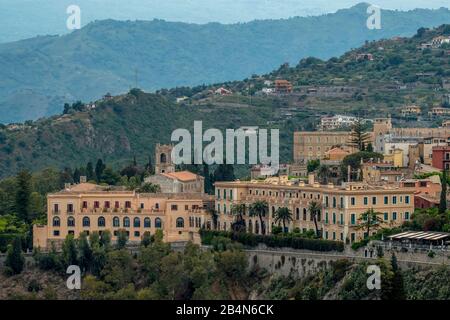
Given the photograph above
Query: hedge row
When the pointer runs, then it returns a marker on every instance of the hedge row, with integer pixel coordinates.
(273, 241)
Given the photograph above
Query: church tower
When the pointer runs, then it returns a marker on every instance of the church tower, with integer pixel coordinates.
(163, 159)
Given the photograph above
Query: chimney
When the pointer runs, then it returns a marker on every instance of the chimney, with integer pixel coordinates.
(311, 178)
(66, 185)
(83, 179)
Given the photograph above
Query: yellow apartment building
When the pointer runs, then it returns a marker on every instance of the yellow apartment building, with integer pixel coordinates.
(315, 144)
(342, 206)
(88, 207)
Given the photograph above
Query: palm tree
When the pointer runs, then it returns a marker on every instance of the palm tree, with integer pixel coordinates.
(314, 209)
(369, 220)
(214, 217)
(259, 209)
(238, 210)
(284, 215)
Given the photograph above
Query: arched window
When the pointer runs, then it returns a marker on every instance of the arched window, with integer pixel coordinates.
(297, 213)
(126, 222)
(56, 222)
(86, 222)
(163, 158)
(101, 222)
(180, 223)
(250, 226)
(70, 222)
(273, 212)
(158, 223)
(304, 214)
(137, 222)
(147, 223)
(256, 227)
(116, 222)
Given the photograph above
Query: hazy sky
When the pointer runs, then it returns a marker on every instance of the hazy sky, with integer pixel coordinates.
(27, 18)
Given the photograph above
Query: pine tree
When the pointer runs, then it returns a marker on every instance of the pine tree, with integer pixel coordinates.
(358, 137)
(22, 198)
(14, 259)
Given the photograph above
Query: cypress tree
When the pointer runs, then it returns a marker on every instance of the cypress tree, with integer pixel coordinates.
(90, 175)
(443, 202)
(14, 259)
(22, 198)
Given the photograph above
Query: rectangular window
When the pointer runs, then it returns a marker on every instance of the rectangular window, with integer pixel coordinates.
(341, 219)
(174, 207)
(218, 194)
(406, 215)
(326, 235)
(231, 194)
(186, 207)
(386, 216)
(326, 217)
(353, 201)
(56, 233)
(142, 206)
(342, 236)
(353, 219)
(334, 218)
(117, 204)
(386, 200)
(407, 199)
(70, 208)
(374, 201)
(85, 204)
(334, 235)
(394, 215)
(56, 207)
(107, 205)
(137, 234)
(127, 204)
(394, 200)
(352, 237)
(96, 204)
(224, 194)
(366, 201)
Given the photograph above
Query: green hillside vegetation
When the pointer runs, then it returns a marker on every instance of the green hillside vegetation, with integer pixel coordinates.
(109, 56)
(130, 125)
(155, 271)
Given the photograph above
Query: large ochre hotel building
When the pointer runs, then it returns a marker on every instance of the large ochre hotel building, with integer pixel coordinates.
(88, 207)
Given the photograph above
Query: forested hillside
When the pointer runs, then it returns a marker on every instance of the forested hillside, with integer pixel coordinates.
(111, 56)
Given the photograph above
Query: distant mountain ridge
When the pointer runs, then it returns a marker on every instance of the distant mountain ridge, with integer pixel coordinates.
(38, 74)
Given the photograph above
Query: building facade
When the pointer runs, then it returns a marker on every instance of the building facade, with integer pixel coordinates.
(315, 144)
(178, 182)
(342, 206)
(87, 208)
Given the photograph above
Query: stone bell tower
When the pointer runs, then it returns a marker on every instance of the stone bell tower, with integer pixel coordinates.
(163, 159)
